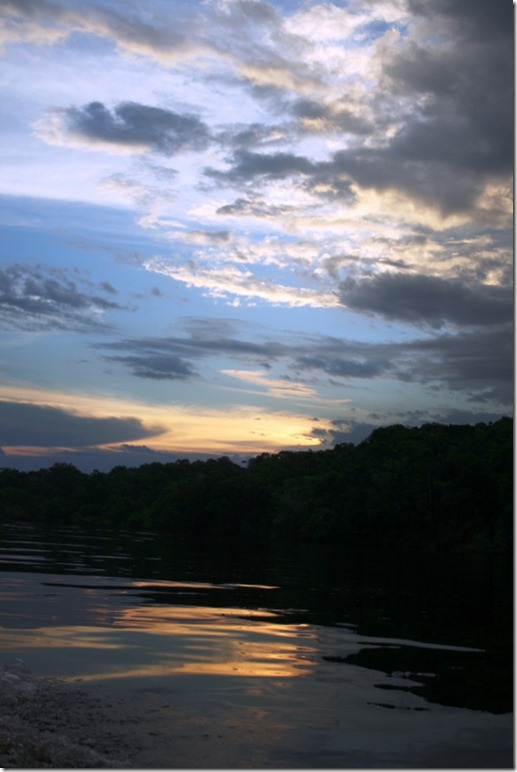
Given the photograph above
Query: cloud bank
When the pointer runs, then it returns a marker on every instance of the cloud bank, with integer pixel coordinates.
(26, 424)
(310, 205)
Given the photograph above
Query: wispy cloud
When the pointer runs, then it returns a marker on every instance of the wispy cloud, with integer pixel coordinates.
(282, 388)
(36, 298)
(231, 280)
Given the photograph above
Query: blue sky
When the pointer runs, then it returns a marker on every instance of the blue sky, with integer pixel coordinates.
(233, 226)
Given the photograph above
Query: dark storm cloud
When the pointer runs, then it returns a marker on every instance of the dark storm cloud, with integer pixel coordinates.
(36, 298)
(135, 125)
(429, 300)
(40, 426)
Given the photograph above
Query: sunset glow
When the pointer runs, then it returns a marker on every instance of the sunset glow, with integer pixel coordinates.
(241, 226)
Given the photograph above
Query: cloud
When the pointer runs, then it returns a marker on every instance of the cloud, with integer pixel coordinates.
(264, 54)
(344, 430)
(230, 280)
(128, 128)
(247, 166)
(479, 364)
(200, 237)
(46, 23)
(330, 118)
(423, 73)
(328, 146)
(157, 366)
(422, 299)
(282, 388)
(247, 36)
(22, 25)
(439, 81)
(104, 459)
(252, 135)
(37, 298)
(172, 357)
(356, 366)
(107, 287)
(456, 73)
(349, 430)
(472, 19)
(25, 424)
(257, 206)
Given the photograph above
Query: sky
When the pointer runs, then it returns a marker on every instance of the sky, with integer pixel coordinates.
(233, 227)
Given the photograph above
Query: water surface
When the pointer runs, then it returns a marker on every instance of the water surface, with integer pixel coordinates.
(325, 659)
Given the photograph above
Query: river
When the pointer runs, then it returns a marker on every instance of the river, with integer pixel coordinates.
(321, 658)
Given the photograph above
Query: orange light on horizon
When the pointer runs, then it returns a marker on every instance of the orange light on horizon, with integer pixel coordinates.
(175, 428)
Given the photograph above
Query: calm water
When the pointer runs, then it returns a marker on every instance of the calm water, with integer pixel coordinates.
(343, 660)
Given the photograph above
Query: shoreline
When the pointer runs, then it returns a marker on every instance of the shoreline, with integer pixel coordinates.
(66, 723)
(53, 723)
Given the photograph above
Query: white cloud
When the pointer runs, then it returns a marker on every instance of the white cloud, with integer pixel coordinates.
(229, 280)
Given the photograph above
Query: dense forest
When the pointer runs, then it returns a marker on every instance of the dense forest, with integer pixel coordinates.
(447, 486)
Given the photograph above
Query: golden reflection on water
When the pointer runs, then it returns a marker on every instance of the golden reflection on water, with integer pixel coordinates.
(179, 640)
(166, 583)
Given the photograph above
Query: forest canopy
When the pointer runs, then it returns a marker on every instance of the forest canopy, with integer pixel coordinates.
(449, 486)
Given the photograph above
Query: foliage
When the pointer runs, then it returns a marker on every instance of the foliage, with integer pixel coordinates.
(447, 486)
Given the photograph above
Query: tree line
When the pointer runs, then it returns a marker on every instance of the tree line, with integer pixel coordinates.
(449, 486)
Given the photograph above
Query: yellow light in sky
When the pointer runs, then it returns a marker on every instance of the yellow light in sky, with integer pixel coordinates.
(181, 428)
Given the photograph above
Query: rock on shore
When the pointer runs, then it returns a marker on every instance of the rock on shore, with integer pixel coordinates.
(46, 723)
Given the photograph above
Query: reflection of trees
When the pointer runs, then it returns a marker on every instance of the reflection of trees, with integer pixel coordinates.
(463, 679)
(444, 485)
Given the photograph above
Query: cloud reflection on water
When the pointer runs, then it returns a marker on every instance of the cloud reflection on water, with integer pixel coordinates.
(116, 628)
(171, 640)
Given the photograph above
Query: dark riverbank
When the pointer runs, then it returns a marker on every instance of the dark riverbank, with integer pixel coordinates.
(440, 487)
